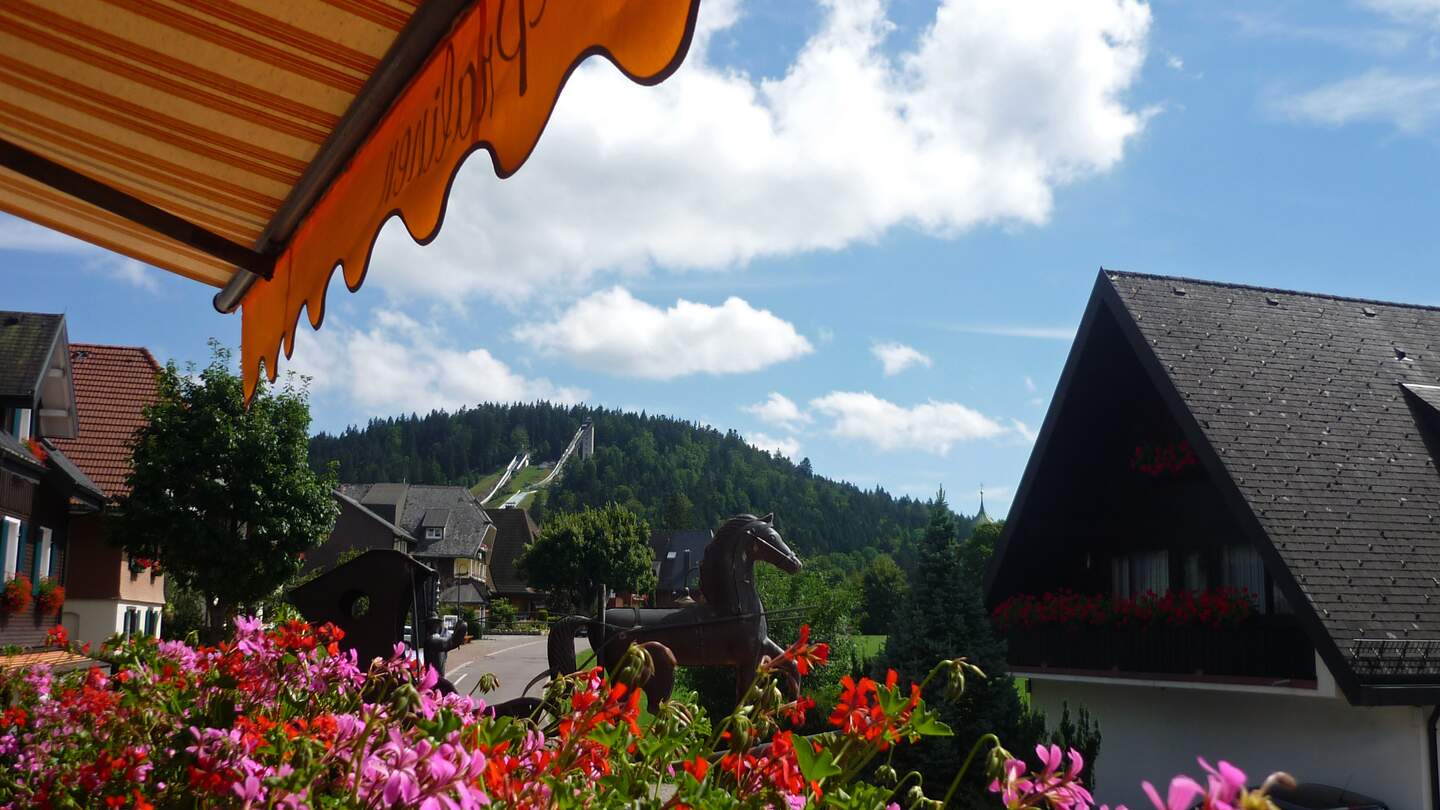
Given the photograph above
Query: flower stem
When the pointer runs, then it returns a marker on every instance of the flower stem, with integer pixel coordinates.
(974, 749)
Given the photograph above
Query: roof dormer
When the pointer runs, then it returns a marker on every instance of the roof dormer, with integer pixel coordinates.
(37, 392)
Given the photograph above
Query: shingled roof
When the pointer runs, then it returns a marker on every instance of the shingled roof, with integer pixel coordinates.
(466, 525)
(514, 530)
(26, 342)
(113, 386)
(1298, 404)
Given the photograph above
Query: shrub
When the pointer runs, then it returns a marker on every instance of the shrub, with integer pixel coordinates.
(502, 613)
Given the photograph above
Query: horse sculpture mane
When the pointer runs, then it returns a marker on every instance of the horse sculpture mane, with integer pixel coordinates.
(717, 579)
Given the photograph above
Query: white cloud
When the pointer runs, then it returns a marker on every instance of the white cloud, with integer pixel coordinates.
(129, 271)
(994, 107)
(931, 427)
(614, 332)
(400, 366)
(1410, 103)
(1025, 430)
(787, 446)
(1383, 41)
(1174, 62)
(1425, 12)
(779, 410)
(1039, 332)
(896, 357)
(1030, 385)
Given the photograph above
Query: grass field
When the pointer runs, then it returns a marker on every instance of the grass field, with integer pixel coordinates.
(525, 478)
(486, 483)
(868, 646)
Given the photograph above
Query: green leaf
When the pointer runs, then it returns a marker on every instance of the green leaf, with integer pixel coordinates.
(928, 725)
(815, 765)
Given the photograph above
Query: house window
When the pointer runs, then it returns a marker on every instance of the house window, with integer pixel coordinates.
(433, 533)
(399, 544)
(1194, 571)
(1241, 568)
(1139, 573)
(10, 542)
(462, 567)
(47, 554)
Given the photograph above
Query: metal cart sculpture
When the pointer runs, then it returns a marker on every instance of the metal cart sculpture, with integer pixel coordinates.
(727, 629)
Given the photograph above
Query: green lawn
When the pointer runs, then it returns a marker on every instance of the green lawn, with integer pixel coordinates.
(868, 646)
(525, 478)
(486, 483)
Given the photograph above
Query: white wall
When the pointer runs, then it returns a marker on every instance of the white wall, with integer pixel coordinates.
(1155, 731)
(96, 620)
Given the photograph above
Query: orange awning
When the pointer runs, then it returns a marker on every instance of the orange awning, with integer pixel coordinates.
(256, 146)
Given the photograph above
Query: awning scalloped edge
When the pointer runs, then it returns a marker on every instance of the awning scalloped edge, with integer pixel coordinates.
(491, 84)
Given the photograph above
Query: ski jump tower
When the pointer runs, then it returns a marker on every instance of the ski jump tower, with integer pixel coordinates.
(587, 439)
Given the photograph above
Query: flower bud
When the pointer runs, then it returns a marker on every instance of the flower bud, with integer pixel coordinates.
(885, 776)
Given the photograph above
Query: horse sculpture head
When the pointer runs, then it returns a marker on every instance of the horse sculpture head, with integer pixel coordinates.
(725, 576)
(766, 544)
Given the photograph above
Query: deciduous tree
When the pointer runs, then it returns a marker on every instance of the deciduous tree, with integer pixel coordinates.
(223, 496)
(883, 590)
(576, 553)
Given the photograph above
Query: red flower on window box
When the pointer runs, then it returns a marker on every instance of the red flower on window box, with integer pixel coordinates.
(16, 596)
(1163, 459)
(1215, 608)
(51, 596)
(37, 449)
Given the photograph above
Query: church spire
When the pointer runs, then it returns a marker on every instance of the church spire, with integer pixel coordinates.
(981, 518)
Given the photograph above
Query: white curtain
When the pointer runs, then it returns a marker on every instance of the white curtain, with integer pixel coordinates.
(1243, 568)
(1150, 571)
(1194, 572)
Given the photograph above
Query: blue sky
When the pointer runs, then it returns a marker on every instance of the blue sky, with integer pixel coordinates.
(824, 185)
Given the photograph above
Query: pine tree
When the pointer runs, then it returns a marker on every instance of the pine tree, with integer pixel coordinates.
(944, 617)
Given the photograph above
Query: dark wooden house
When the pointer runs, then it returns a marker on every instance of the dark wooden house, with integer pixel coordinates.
(40, 488)
(444, 527)
(1213, 442)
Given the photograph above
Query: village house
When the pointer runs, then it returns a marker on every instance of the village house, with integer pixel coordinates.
(40, 488)
(1210, 445)
(444, 527)
(107, 593)
(357, 530)
(678, 553)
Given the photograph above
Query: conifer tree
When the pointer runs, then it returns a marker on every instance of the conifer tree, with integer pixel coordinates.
(944, 617)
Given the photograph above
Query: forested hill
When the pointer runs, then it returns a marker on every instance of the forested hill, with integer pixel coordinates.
(675, 473)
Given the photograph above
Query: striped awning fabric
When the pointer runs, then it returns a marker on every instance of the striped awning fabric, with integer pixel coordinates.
(257, 145)
(208, 109)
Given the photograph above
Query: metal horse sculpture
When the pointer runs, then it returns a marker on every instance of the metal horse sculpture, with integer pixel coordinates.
(728, 629)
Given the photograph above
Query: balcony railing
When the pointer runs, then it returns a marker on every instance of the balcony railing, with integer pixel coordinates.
(1267, 647)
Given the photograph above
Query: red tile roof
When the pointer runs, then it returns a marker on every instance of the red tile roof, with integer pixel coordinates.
(113, 384)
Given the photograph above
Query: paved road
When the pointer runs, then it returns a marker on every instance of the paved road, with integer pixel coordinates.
(515, 660)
